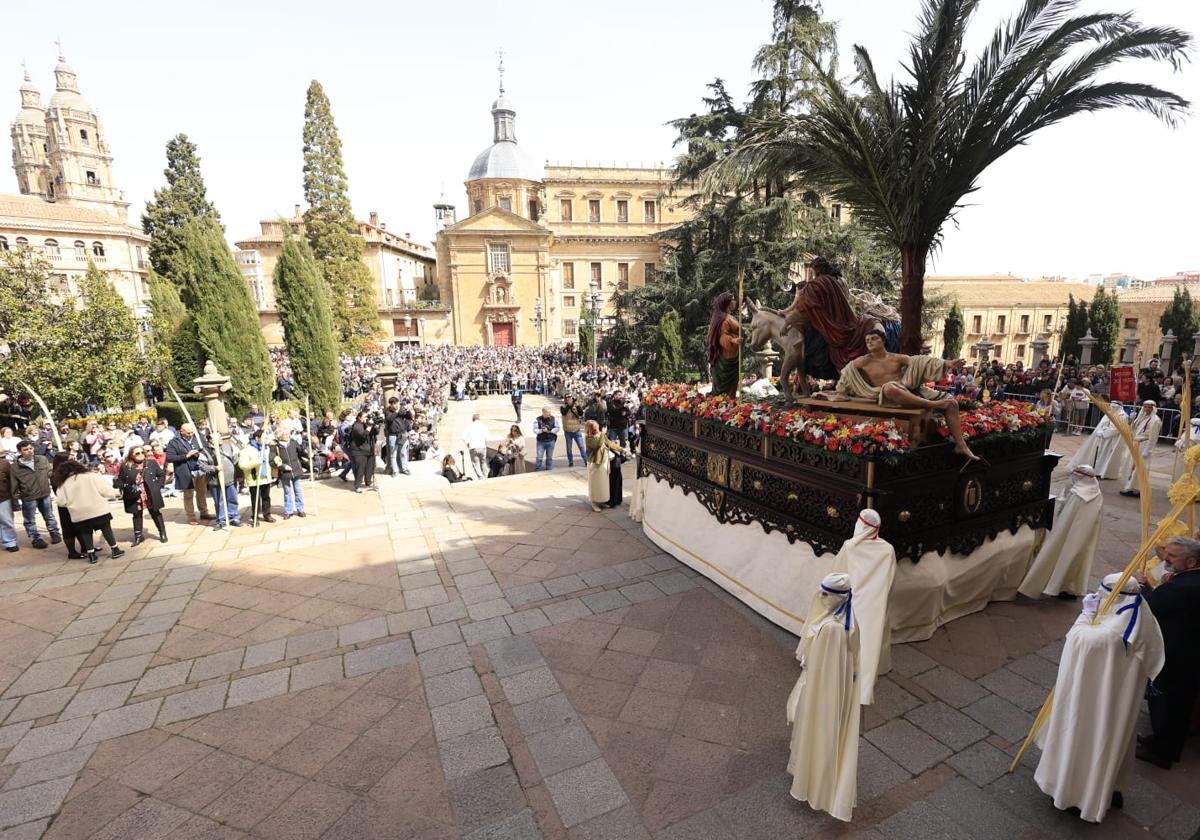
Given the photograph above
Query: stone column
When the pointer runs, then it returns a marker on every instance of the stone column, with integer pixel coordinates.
(1087, 343)
(1131, 346)
(387, 377)
(1168, 347)
(1040, 345)
(1195, 344)
(766, 362)
(211, 385)
(984, 347)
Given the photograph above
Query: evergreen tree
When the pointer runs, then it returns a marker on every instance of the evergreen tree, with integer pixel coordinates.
(952, 332)
(668, 356)
(187, 357)
(183, 199)
(223, 315)
(1076, 327)
(307, 328)
(586, 338)
(110, 360)
(1181, 317)
(1104, 320)
(166, 316)
(332, 231)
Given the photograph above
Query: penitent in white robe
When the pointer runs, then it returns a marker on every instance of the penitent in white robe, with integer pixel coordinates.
(824, 712)
(1104, 450)
(1064, 561)
(871, 564)
(1088, 741)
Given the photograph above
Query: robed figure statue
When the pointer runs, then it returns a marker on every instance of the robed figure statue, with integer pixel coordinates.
(724, 341)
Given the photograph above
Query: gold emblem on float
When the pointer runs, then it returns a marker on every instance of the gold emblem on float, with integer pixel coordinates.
(972, 495)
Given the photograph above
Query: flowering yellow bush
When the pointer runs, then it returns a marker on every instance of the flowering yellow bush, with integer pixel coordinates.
(121, 418)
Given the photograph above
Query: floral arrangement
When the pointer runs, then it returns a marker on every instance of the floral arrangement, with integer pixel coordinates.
(841, 434)
(122, 418)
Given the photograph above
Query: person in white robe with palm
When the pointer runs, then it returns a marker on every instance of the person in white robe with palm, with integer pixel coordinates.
(871, 563)
(1088, 740)
(1104, 449)
(1147, 426)
(823, 707)
(1064, 561)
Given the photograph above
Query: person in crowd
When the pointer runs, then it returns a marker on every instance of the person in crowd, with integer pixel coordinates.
(572, 426)
(398, 421)
(140, 483)
(8, 527)
(475, 439)
(362, 450)
(515, 395)
(163, 433)
(618, 419)
(64, 515)
(450, 472)
(871, 563)
(226, 451)
(285, 456)
(254, 461)
(29, 483)
(8, 442)
(85, 495)
(545, 431)
(513, 449)
(1175, 604)
(143, 428)
(600, 451)
(190, 473)
(74, 451)
(597, 409)
(68, 435)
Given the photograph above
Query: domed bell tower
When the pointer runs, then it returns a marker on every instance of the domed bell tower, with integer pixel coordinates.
(29, 142)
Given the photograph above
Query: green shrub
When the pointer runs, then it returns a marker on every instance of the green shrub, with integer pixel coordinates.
(174, 415)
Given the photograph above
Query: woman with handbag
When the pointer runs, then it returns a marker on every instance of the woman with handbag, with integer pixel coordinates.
(513, 448)
(85, 495)
(141, 482)
(599, 451)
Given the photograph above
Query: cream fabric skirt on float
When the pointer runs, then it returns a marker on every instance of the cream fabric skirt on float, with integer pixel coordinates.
(598, 482)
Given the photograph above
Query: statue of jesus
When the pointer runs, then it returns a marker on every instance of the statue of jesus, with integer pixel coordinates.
(894, 379)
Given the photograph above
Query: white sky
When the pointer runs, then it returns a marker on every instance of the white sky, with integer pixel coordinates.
(411, 84)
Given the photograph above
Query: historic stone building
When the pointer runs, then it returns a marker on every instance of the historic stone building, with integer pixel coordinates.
(537, 240)
(69, 209)
(403, 271)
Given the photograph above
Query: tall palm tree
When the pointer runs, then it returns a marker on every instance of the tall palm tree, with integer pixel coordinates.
(903, 155)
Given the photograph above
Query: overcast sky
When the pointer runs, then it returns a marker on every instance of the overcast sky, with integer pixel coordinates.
(411, 84)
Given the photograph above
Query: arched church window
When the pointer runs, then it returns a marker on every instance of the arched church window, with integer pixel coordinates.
(97, 249)
(80, 250)
(83, 136)
(22, 242)
(52, 247)
(3, 244)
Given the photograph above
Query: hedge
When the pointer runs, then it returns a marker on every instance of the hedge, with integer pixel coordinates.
(174, 415)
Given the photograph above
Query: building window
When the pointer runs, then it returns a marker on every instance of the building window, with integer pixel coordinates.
(568, 275)
(533, 210)
(80, 250)
(564, 209)
(977, 325)
(974, 352)
(650, 272)
(52, 247)
(1001, 324)
(141, 257)
(83, 138)
(22, 242)
(1024, 324)
(835, 213)
(650, 211)
(97, 249)
(1047, 320)
(497, 258)
(91, 178)
(1020, 351)
(1131, 323)
(506, 203)
(596, 279)
(3, 244)
(622, 210)
(593, 209)
(569, 302)
(570, 327)
(623, 276)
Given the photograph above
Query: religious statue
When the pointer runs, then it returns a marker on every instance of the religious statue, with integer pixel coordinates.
(894, 379)
(724, 339)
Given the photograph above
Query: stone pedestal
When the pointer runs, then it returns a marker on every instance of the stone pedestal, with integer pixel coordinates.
(1086, 344)
(766, 363)
(387, 377)
(1040, 345)
(211, 385)
(1168, 347)
(1131, 345)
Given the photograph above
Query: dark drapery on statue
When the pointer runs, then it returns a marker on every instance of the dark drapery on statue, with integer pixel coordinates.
(817, 361)
(824, 304)
(725, 375)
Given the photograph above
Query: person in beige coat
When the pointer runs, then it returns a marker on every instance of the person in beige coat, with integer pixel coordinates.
(85, 495)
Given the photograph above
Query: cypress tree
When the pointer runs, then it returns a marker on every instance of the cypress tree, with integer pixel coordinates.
(166, 316)
(307, 327)
(1104, 320)
(1076, 327)
(223, 314)
(1181, 317)
(669, 349)
(182, 200)
(332, 231)
(952, 332)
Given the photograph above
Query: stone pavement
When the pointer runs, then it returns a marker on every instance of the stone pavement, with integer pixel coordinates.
(490, 660)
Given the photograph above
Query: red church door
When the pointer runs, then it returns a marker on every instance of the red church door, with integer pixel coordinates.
(502, 334)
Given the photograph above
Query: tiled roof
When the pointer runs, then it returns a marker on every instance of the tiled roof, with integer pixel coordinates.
(30, 211)
(1156, 294)
(983, 293)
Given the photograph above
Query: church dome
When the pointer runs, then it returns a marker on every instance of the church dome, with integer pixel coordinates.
(67, 93)
(504, 158)
(31, 112)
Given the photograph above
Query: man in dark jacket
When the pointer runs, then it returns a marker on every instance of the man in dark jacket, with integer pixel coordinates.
(286, 458)
(184, 452)
(397, 421)
(515, 395)
(8, 527)
(1176, 605)
(618, 419)
(29, 483)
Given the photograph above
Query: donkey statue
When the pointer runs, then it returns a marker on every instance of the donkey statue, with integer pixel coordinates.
(767, 325)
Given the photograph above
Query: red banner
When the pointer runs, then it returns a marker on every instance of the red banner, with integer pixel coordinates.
(1123, 384)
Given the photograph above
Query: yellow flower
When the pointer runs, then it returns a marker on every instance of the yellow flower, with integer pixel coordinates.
(1185, 488)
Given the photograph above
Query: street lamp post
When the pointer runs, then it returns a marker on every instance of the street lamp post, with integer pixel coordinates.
(594, 300)
(538, 320)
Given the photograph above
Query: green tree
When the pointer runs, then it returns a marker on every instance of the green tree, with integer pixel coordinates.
(167, 314)
(68, 354)
(182, 200)
(1182, 318)
(307, 328)
(187, 357)
(668, 355)
(223, 315)
(586, 339)
(952, 332)
(1104, 320)
(1075, 328)
(904, 154)
(332, 231)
